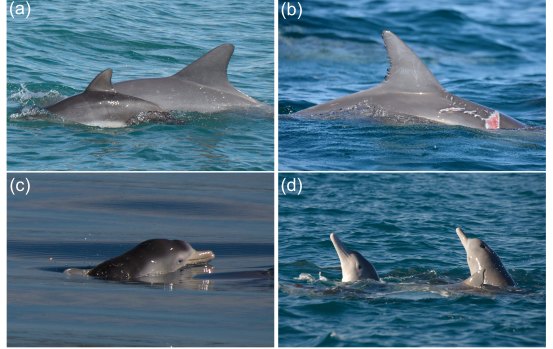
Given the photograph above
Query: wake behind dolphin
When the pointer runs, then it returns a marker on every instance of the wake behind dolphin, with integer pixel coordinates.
(149, 258)
(410, 94)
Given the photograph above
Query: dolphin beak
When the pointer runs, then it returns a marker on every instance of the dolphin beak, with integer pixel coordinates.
(462, 237)
(342, 252)
(200, 257)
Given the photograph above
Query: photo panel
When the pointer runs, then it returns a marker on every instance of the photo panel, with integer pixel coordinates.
(141, 85)
(129, 259)
(410, 260)
(411, 86)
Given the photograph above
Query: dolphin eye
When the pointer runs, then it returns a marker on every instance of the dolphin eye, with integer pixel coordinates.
(181, 260)
(482, 245)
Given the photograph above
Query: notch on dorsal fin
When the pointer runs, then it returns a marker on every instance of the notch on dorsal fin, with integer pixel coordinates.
(211, 68)
(102, 82)
(407, 72)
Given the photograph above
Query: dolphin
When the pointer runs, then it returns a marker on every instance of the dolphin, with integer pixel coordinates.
(410, 94)
(150, 258)
(101, 105)
(484, 264)
(201, 87)
(354, 265)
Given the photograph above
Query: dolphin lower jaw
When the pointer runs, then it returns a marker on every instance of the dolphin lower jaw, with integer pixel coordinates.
(343, 256)
(341, 251)
(200, 257)
(462, 237)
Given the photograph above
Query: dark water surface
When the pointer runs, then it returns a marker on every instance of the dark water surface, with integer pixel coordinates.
(80, 220)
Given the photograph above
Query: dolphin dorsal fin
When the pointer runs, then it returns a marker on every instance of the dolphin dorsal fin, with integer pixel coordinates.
(407, 72)
(211, 68)
(102, 82)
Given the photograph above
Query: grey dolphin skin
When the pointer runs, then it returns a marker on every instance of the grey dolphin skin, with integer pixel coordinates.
(202, 86)
(410, 94)
(354, 265)
(484, 264)
(101, 105)
(151, 258)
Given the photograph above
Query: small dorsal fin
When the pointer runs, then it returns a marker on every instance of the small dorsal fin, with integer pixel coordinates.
(211, 68)
(102, 82)
(407, 72)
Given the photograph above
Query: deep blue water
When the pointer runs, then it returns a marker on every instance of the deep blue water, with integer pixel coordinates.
(404, 224)
(61, 48)
(80, 220)
(492, 53)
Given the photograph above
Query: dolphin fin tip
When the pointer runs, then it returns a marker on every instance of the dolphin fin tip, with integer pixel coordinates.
(102, 82)
(211, 68)
(406, 71)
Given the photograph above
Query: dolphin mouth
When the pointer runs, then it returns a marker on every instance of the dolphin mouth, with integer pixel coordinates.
(342, 252)
(461, 236)
(200, 257)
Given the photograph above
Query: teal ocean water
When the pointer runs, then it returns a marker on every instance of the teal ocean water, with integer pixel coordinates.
(80, 220)
(404, 224)
(61, 48)
(492, 53)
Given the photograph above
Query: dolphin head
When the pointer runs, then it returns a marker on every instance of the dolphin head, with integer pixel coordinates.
(479, 254)
(354, 265)
(167, 256)
(482, 260)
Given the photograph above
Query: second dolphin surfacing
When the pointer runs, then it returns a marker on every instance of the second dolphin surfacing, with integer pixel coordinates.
(411, 94)
(101, 105)
(485, 265)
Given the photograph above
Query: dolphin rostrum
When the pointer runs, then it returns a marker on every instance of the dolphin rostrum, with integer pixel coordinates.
(354, 265)
(410, 94)
(202, 86)
(101, 105)
(484, 264)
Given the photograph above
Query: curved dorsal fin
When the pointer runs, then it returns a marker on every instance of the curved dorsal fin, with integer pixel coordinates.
(102, 82)
(407, 72)
(211, 68)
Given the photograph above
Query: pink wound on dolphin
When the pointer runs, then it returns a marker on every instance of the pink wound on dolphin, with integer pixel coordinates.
(492, 122)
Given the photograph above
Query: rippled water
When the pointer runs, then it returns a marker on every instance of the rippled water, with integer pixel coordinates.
(404, 224)
(490, 53)
(80, 220)
(63, 46)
